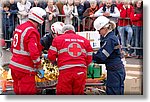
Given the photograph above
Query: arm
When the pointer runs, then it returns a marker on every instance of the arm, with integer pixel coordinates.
(99, 12)
(33, 49)
(122, 13)
(86, 13)
(89, 53)
(67, 10)
(13, 11)
(56, 12)
(75, 13)
(52, 52)
(20, 7)
(104, 52)
(116, 13)
(28, 5)
(135, 17)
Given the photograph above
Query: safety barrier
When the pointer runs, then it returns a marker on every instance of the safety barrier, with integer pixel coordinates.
(7, 33)
(87, 23)
(75, 19)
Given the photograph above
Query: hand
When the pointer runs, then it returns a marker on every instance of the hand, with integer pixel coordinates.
(92, 15)
(71, 16)
(106, 14)
(50, 17)
(8, 14)
(40, 73)
(44, 56)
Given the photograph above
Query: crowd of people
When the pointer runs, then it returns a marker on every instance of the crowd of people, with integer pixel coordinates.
(127, 14)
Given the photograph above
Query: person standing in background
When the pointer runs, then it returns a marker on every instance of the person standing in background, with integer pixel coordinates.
(7, 24)
(137, 26)
(70, 12)
(124, 27)
(23, 7)
(52, 12)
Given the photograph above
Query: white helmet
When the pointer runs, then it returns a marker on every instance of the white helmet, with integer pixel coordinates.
(57, 27)
(100, 22)
(37, 14)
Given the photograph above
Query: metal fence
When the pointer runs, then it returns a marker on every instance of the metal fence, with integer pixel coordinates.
(87, 23)
(80, 26)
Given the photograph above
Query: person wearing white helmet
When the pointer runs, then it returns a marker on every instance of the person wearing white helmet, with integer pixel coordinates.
(73, 54)
(47, 39)
(57, 28)
(26, 51)
(110, 55)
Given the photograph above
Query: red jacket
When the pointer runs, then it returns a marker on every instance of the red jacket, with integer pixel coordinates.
(71, 50)
(124, 19)
(137, 19)
(26, 48)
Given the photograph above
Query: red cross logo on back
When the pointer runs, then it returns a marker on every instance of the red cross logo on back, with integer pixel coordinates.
(74, 49)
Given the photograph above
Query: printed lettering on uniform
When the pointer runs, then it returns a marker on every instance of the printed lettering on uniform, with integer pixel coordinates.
(79, 40)
(15, 41)
(76, 40)
(73, 40)
(67, 39)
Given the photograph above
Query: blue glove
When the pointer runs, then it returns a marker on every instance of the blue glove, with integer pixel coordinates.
(45, 56)
(41, 73)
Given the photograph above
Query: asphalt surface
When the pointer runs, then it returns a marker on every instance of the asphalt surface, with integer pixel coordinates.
(6, 56)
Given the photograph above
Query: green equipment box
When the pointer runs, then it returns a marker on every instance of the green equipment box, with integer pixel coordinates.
(94, 71)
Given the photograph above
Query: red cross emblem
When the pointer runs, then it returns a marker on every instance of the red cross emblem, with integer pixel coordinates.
(74, 49)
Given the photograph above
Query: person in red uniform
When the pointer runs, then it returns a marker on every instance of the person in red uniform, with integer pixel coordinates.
(124, 27)
(74, 54)
(26, 51)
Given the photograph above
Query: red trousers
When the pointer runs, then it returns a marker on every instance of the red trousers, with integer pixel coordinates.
(71, 81)
(24, 83)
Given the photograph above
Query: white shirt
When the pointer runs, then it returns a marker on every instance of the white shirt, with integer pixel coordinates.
(100, 12)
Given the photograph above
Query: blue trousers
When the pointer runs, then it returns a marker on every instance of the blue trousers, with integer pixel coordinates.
(125, 37)
(137, 39)
(115, 82)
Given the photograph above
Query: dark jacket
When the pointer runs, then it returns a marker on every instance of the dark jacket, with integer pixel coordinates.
(81, 10)
(46, 41)
(110, 52)
(7, 20)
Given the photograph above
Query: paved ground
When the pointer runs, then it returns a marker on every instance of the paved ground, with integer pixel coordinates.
(6, 55)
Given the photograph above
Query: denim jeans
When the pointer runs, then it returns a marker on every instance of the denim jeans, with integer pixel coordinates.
(137, 39)
(125, 39)
(7, 34)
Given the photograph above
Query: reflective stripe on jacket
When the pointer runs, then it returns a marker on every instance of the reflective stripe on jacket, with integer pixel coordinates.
(71, 50)
(26, 48)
